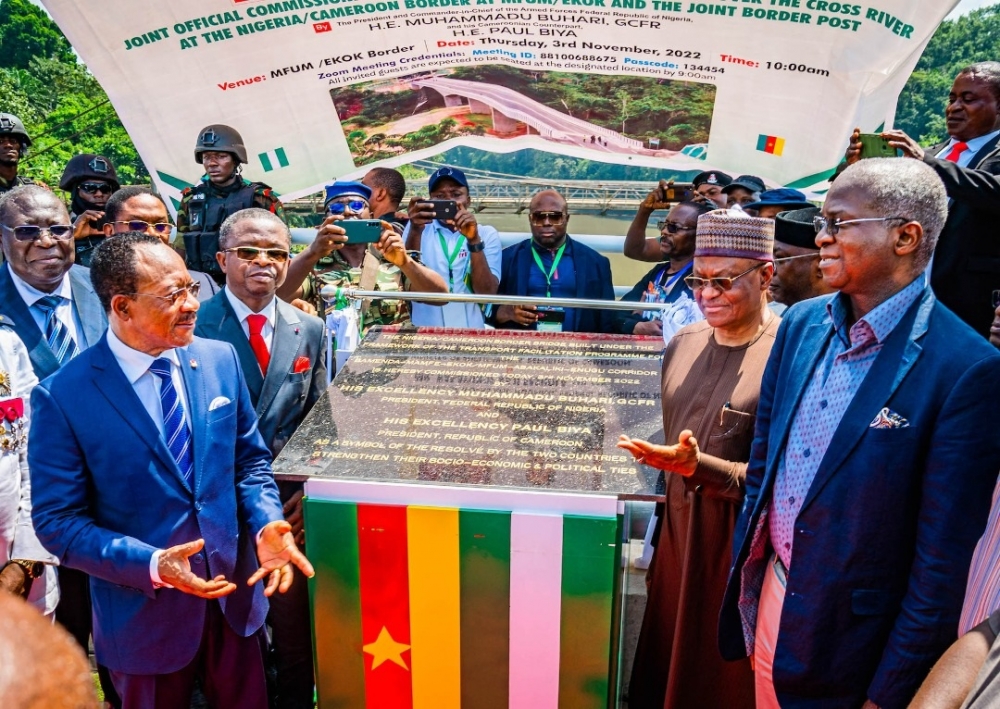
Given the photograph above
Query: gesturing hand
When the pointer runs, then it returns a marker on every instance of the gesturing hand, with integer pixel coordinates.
(681, 458)
(276, 552)
(174, 568)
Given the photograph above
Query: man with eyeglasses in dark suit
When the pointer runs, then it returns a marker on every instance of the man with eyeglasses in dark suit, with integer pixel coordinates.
(139, 209)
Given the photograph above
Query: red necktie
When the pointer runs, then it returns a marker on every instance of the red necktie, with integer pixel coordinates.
(956, 150)
(257, 344)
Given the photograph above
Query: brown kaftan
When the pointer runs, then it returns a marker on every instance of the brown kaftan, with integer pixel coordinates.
(713, 391)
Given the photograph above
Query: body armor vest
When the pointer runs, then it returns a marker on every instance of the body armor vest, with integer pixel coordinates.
(207, 209)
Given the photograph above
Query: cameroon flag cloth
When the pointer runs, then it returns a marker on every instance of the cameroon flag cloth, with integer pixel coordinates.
(771, 144)
(438, 608)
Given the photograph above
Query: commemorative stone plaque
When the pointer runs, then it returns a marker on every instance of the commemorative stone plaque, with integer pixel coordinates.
(496, 408)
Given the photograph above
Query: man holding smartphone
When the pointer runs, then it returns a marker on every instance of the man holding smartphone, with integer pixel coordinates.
(91, 180)
(345, 241)
(466, 254)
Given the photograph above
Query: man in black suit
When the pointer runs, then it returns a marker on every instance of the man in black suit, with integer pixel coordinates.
(281, 352)
(966, 267)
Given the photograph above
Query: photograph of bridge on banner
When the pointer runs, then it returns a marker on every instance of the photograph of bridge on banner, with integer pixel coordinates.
(614, 116)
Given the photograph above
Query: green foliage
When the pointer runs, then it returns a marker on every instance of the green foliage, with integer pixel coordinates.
(974, 37)
(64, 108)
(26, 32)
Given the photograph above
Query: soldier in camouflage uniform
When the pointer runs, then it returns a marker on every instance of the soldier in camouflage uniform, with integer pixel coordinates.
(222, 191)
(385, 266)
(14, 144)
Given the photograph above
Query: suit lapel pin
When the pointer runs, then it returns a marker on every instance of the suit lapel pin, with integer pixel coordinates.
(193, 363)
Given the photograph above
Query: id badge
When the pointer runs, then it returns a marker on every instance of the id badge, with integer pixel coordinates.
(550, 319)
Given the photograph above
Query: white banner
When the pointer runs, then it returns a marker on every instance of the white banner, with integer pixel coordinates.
(324, 89)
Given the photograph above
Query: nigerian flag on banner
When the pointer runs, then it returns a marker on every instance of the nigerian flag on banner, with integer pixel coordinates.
(430, 607)
(273, 159)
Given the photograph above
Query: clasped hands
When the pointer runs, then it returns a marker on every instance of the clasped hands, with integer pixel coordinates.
(276, 553)
(681, 458)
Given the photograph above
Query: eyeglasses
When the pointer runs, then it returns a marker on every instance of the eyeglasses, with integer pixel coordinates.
(252, 253)
(139, 225)
(355, 205)
(539, 218)
(95, 187)
(719, 284)
(175, 295)
(792, 258)
(672, 227)
(30, 232)
(996, 299)
(832, 226)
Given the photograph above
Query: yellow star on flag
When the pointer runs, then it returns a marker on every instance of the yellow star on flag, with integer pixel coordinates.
(385, 648)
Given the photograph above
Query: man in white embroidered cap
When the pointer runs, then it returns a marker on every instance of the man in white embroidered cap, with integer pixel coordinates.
(711, 380)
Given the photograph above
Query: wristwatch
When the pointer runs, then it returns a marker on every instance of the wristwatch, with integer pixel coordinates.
(475, 248)
(32, 569)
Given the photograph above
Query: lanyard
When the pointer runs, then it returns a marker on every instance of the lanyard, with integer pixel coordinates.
(555, 265)
(452, 257)
(671, 280)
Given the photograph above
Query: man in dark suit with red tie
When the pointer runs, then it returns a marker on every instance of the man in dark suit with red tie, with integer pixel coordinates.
(966, 266)
(281, 353)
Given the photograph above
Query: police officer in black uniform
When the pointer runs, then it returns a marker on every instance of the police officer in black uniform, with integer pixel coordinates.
(14, 144)
(91, 180)
(222, 191)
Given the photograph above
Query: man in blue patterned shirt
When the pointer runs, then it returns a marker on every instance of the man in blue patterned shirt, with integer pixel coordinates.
(873, 462)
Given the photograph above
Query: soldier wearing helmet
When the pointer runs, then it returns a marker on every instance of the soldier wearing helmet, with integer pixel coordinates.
(14, 144)
(90, 180)
(221, 192)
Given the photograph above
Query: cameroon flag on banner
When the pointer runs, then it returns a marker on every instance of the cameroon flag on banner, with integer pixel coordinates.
(434, 608)
(771, 144)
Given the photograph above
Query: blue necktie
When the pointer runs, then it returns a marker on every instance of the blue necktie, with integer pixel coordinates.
(175, 428)
(56, 333)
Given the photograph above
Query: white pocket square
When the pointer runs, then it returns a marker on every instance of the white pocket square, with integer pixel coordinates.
(888, 419)
(217, 403)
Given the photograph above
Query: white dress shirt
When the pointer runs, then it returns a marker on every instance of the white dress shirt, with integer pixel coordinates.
(243, 312)
(468, 315)
(135, 365)
(974, 146)
(64, 311)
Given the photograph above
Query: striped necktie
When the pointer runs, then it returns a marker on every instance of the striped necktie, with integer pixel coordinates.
(56, 333)
(175, 428)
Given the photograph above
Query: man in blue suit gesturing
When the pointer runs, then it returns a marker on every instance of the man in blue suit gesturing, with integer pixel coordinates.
(872, 465)
(152, 478)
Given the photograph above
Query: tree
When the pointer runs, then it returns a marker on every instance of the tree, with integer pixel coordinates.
(26, 32)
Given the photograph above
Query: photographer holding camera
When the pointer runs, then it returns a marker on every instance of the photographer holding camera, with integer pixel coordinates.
(345, 241)
(464, 253)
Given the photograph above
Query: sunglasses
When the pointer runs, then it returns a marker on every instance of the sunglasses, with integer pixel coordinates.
(672, 227)
(175, 295)
(355, 205)
(252, 253)
(720, 284)
(30, 232)
(139, 225)
(95, 187)
(832, 226)
(539, 218)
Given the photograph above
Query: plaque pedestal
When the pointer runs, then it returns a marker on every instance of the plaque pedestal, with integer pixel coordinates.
(467, 514)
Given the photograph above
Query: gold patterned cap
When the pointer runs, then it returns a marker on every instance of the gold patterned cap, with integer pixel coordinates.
(734, 234)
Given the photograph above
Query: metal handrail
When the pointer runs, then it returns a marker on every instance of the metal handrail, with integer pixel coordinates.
(333, 292)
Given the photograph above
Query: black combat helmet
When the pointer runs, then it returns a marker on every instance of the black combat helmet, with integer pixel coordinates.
(88, 167)
(11, 125)
(221, 139)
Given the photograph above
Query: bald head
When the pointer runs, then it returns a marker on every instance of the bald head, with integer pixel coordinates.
(41, 667)
(548, 217)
